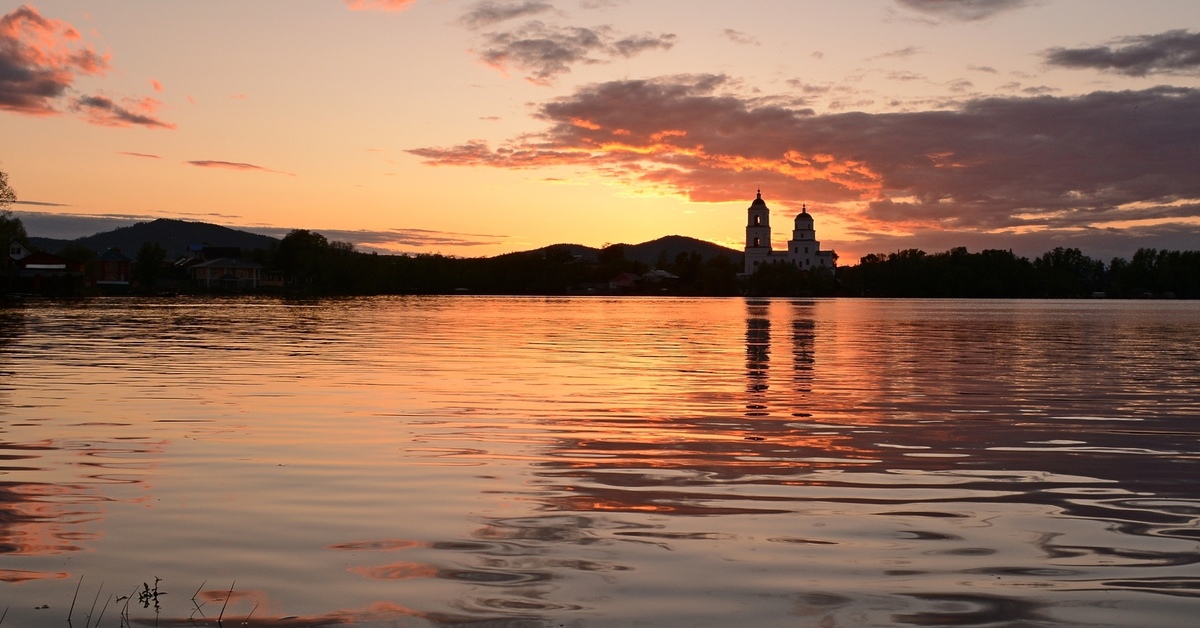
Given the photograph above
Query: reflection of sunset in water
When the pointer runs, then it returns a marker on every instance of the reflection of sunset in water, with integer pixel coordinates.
(603, 461)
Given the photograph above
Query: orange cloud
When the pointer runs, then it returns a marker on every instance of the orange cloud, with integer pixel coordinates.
(984, 166)
(378, 5)
(156, 85)
(585, 124)
(677, 136)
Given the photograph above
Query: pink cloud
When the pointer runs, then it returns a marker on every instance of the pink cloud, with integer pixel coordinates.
(378, 5)
(156, 85)
(39, 60)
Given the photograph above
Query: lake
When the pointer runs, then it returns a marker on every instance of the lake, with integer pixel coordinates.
(584, 462)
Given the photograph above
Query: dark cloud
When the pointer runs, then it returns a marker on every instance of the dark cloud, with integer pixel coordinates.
(986, 165)
(71, 226)
(103, 111)
(963, 10)
(900, 53)
(1039, 90)
(905, 76)
(960, 85)
(488, 13)
(810, 89)
(738, 37)
(632, 45)
(1173, 52)
(39, 60)
(142, 155)
(546, 51)
(395, 240)
(40, 203)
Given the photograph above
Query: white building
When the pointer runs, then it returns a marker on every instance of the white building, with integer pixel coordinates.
(804, 251)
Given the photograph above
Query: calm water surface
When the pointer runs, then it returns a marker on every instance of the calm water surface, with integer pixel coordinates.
(601, 462)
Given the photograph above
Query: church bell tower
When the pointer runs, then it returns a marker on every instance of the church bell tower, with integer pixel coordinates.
(758, 234)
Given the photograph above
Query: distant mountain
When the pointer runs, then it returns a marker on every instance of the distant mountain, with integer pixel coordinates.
(49, 245)
(175, 236)
(587, 253)
(649, 252)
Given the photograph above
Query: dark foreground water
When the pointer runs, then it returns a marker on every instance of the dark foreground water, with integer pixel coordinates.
(600, 462)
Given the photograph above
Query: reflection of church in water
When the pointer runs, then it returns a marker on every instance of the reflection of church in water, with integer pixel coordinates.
(803, 251)
(759, 317)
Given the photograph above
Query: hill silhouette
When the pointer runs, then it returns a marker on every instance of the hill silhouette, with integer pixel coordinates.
(648, 253)
(670, 246)
(175, 236)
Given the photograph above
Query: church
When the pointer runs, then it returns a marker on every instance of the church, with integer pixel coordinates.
(804, 251)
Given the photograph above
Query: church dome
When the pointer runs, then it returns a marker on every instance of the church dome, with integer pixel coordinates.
(758, 201)
(804, 217)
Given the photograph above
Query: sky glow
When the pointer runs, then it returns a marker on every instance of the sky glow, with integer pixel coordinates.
(482, 127)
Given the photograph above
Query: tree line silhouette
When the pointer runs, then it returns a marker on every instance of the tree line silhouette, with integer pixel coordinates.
(323, 267)
(311, 264)
(316, 265)
(1060, 273)
(308, 264)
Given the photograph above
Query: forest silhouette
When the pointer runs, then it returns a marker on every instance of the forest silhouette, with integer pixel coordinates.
(319, 266)
(306, 263)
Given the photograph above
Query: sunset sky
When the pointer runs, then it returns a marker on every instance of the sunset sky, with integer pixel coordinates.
(475, 128)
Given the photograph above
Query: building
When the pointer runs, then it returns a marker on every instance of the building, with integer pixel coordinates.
(803, 250)
(228, 274)
(113, 269)
(45, 274)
